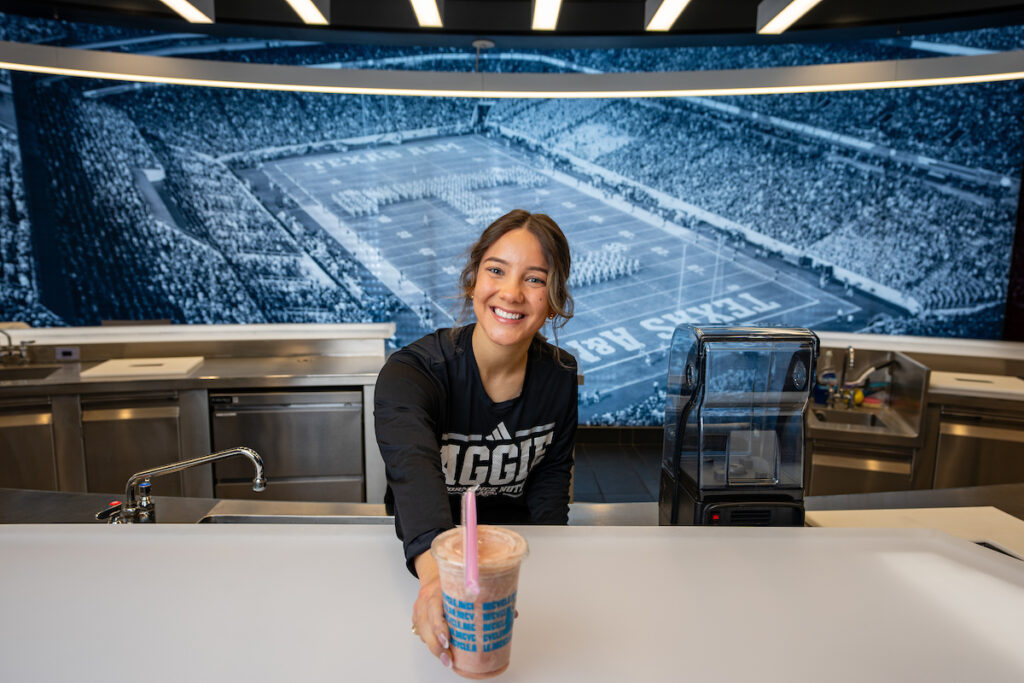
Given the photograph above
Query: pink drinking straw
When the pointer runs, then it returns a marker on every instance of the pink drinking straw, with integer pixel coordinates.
(469, 542)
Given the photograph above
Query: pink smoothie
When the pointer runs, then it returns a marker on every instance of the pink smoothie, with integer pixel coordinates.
(480, 627)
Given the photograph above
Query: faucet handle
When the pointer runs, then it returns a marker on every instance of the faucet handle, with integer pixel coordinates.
(113, 508)
(23, 349)
(146, 508)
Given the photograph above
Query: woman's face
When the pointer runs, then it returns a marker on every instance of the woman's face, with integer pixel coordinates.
(510, 298)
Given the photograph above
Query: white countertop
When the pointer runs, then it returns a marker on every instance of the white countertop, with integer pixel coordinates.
(947, 346)
(977, 524)
(333, 602)
(970, 384)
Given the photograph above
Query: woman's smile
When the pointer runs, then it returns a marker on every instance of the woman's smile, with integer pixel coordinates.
(506, 315)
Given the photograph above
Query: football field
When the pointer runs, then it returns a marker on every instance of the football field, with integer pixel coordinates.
(409, 211)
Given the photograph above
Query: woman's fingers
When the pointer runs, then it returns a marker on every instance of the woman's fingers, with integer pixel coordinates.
(439, 626)
(429, 621)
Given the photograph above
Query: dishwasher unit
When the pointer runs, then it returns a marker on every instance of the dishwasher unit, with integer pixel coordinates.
(311, 443)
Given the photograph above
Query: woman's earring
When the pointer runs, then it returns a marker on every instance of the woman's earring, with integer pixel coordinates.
(551, 316)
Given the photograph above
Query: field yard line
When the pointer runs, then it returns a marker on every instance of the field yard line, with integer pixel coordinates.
(660, 375)
(619, 361)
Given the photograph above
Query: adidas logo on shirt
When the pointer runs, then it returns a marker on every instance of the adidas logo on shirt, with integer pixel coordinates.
(500, 433)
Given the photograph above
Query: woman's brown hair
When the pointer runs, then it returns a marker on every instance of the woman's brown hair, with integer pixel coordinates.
(552, 243)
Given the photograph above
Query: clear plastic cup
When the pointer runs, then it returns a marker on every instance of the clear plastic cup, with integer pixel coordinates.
(480, 627)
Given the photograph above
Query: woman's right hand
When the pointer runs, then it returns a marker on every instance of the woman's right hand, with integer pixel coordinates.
(428, 620)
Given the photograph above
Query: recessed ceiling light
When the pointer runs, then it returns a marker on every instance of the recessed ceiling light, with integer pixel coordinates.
(428, 12)
(312, 11)
(659, 15)
(775, 16)
(194, 11)
(545, 14)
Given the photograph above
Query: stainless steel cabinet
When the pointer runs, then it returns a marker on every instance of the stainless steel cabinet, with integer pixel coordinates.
(125, 433)
(978, 448)
(845, 467)
(27, 454)
(311, 443)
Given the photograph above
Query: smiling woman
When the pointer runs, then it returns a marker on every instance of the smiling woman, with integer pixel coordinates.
(489, 404)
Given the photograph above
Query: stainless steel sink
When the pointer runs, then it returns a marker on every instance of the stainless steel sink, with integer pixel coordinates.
(862, 418)
(295, 512)
(15, 372)
(297, 519)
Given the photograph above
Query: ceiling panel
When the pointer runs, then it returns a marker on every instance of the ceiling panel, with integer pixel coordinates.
(702, 21)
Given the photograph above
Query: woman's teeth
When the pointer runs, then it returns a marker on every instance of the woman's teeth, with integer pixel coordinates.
(507, 315)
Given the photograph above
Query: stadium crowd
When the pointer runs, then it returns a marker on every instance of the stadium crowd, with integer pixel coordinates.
(972, 125)
(221, 121)
(119, 262)
(260, 251)
(19, 294)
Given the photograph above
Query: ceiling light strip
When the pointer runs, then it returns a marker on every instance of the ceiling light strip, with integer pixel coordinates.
(665, 15)
(545, 14)
(428, 14)
(74, 62)
(775, 16)
(311, 12)
(196, 11)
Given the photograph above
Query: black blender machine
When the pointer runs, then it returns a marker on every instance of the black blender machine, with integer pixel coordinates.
(734, 426)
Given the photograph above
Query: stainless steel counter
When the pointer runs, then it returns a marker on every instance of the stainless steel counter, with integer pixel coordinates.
(186, 428)
(22, 506)
(19, 506)
(213, 373)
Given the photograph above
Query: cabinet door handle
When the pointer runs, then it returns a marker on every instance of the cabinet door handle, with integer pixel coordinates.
(26, 420)
(114, 414)
(290, 410)
(977, 432)
(867, 464)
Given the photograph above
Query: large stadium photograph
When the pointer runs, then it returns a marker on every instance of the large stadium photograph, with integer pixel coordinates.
(886, 211)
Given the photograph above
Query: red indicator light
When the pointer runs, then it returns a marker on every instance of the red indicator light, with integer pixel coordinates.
(715, 517)
(113, 503)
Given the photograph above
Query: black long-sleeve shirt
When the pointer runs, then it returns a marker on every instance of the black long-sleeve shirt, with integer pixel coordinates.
(440, 433)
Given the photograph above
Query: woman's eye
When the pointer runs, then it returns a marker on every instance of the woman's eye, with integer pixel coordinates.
(535, 281)
(493, 270)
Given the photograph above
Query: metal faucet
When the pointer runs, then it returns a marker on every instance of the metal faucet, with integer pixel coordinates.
(8, 353)
(134, 510)
(848, 362)
(840, 394)
(874, 368)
